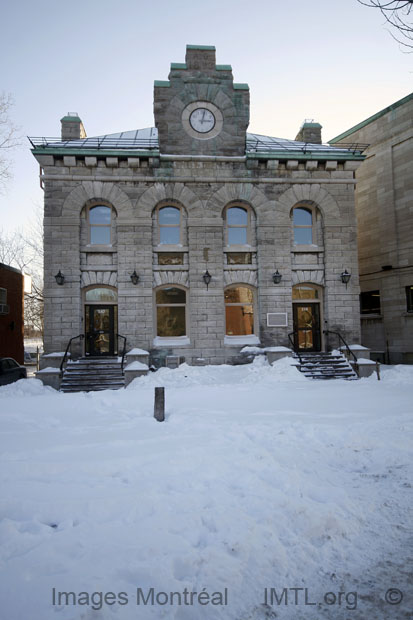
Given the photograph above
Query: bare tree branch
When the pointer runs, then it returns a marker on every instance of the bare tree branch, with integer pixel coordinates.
(9, 138)
(399, 16)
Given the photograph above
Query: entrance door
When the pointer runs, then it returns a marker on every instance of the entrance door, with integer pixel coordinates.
(100, 333)
(307, 334)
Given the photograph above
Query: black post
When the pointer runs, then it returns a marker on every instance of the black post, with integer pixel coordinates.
(159, 409)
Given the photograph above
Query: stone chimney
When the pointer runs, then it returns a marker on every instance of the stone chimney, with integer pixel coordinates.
(72, 127)
(200, 57)
(309, 132)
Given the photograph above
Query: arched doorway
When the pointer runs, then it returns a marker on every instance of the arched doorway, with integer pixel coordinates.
(101, 321)
(307, 317)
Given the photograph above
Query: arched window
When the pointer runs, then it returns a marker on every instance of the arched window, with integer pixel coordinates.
(305, 291)
(303, 226)
(170, 312)
(100, 225)
(169, 221)
(239, 311)
(101, 294)
(237, 226)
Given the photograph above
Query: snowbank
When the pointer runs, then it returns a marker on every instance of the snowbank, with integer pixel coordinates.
(26, 388)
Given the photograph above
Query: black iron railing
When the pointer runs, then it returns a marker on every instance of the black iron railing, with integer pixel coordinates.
(347, 348)
(123, 349)
(100, 143)
(293, 340)
(81, 336)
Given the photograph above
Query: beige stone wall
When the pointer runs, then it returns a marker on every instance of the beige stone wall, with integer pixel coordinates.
(134, 187)
(384, 205)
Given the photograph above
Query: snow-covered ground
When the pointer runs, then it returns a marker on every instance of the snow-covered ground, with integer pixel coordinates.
(258, 482)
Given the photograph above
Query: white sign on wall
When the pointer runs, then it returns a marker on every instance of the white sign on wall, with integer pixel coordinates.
(277, 319)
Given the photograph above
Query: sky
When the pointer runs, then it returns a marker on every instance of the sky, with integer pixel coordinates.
(328, 60)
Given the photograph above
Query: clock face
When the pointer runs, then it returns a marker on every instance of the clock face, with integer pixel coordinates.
(202, 120)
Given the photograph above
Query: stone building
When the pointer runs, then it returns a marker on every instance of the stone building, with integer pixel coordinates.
(384, 208)
(195, 238)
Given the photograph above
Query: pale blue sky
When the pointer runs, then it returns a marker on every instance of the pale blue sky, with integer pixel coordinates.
(331, 60)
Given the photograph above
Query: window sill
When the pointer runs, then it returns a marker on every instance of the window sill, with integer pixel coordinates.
(98, 248)
(306, 249)
(171, 267)
(170, 248)
(240, 248)
(236, 341)
(161, 342)
(378, 317)
(240, 267)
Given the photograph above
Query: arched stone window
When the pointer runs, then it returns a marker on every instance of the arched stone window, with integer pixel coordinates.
(239, 310)
(100, 220)
(171, 314)
(303, 226)
(170, 225)
(237, 225)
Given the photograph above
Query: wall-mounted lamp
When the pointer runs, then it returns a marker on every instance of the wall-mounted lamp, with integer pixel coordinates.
(60, 279)
(276, 277)
(207, 278)
(134, 277)
(345, 277)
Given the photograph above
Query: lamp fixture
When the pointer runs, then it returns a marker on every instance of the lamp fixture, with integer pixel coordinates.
(345, 277)
(60, 279)
(207, 278)
(134, 277)
(276, 277)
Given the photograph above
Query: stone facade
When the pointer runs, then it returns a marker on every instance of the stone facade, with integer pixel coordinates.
(202, 177)
(384, 199)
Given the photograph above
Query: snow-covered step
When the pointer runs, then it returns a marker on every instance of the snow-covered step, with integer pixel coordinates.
(92, 375)
(325, 366)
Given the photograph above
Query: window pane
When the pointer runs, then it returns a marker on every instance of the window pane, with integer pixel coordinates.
(370, 302)
(303, 236)
(409, 298)
(170, 296)
(239, 258)
(302, 217)
(239, 320)
(100, 235)
(237, 236)
(169, 216)
(239, 294)
(170, 258)
(99, 215)
(170, 236)
(171, 321)
(237, 217)
(101, 294)
(305, 292)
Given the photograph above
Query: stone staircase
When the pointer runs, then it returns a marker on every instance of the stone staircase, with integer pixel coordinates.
(93, 374)
(325, 366)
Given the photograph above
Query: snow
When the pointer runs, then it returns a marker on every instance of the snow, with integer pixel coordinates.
(278, 349)
(363, 361)
(137, 366)
(50, 369)
(137, 352)
(171, 342)
(258, 350)
(259, 478)
(58, 354)
(238, 340)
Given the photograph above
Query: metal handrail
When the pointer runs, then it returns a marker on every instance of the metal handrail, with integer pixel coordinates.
(81, 336)
(123, 350)
(350, 352)
(295, 349)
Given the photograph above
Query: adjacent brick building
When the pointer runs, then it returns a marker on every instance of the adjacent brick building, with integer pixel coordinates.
(176, 236)
(384, 207)
(11, 313)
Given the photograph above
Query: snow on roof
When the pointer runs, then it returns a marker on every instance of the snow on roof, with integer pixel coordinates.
(147, 139)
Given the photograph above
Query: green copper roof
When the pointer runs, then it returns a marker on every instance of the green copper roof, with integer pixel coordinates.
(72, 119)
(369, 120)
(211, 48)
(241, 86)
(223, 68)
(311, 125)
(162, 83)
(178, 65)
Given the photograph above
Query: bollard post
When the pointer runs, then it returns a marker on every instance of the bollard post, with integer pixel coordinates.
(378, 370)
(159, 409)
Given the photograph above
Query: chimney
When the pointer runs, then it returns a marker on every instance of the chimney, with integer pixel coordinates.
(72, 127)
(309, 132)
(200, 57)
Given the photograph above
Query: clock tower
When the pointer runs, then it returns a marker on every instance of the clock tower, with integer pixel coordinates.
(200, 110)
